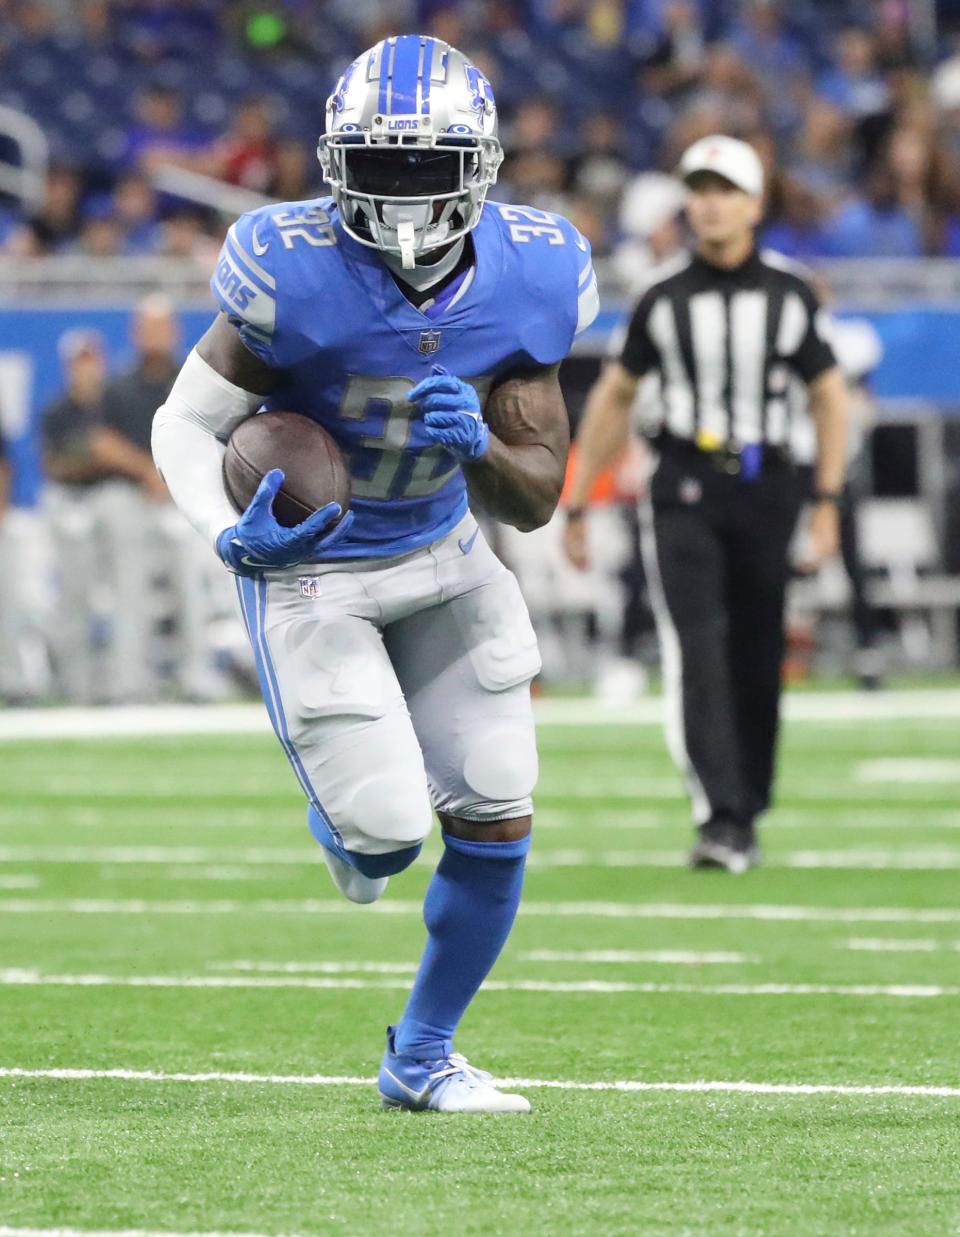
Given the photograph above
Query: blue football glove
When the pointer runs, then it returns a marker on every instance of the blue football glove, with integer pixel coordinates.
(257, 543)
(451, 415)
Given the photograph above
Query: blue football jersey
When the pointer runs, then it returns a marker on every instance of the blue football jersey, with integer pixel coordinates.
(327, 314)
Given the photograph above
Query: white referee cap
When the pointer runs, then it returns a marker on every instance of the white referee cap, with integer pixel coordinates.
(728, 157)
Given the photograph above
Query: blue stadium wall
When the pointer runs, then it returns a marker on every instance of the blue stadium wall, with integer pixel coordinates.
(920, 362)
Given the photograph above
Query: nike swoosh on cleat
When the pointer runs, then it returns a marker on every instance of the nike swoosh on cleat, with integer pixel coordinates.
(418, 1097)
(259, 249)
(467, 546)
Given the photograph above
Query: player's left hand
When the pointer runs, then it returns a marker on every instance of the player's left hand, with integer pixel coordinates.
(452, 417)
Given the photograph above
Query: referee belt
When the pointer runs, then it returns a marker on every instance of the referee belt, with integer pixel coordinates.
(746, 460)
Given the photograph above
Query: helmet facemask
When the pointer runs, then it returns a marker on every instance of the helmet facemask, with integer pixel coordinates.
(408, 195)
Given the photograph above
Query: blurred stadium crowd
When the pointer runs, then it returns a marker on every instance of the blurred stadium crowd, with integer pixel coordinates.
(859, 100)
(853, 104)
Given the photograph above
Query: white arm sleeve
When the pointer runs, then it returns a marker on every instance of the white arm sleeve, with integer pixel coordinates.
(189, 431)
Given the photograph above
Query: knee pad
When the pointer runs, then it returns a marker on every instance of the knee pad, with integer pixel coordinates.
(386, 813)
(501, 764)
(372, 865)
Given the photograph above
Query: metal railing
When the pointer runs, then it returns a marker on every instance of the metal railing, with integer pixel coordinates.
(24, 180)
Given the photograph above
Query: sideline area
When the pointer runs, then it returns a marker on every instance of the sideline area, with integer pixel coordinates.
(177, 719)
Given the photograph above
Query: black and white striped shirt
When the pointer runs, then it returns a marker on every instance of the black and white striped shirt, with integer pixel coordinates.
(726, 345)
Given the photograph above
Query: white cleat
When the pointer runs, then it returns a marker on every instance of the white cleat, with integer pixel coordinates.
(351, 883)
(470, 1090)
(450, 1084)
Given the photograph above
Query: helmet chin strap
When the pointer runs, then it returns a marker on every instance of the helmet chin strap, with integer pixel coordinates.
(425, 274)
(407, 240)
(406, 221)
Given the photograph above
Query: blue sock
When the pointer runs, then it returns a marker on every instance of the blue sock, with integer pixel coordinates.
(388, 864)
(469, 909)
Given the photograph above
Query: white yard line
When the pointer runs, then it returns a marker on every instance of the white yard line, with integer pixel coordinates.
(907, 769)
(318, 968)
(20, 882)
(534, 955)
(13, 977)
(231, 864)
(922, 1090)
(185, 855)
(692, 957)
(7, 1231)
(551, 910)
(895, 946)
(134, 722)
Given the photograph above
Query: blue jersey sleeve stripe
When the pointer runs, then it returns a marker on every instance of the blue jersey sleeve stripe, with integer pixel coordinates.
(253, 268)
(240, 267)
(585, 273)
(404, 75)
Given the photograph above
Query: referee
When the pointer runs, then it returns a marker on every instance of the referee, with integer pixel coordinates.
(727, 330)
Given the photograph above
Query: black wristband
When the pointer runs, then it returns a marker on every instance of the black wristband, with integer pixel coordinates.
(827, 496)
(575, 513)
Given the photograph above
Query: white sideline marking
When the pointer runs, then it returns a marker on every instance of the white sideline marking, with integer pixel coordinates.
(319, 968)
(696, 957)
(558, 1084)
(549, 910)
(237, 864)
(907, 769)
(909, 818)
(872, 945)
(13, 977)
(178, 720)
(256, 856)
(533, 955)
(7, 1231)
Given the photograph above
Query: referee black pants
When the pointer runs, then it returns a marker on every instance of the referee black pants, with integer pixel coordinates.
(716, 555)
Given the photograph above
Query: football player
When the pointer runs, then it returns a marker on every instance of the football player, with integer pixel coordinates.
(395, 653)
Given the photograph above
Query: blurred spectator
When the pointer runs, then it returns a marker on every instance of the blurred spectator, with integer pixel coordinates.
(129, 402)
(763, 43)
(94, 471)
(876, 225)
(561, 71)
(796, 221)
(136, 209)
(599, 171)
(160, 136)
(729, 89)
(57, 223)
(650, 214)
(853, 82)
(183, 235)
(247, 155)
(296, 172)
(535, 127)
(821, 154)
(672, 63)
(100, 237)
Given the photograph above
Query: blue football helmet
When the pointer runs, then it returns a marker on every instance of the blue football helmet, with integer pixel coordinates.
(410, 147)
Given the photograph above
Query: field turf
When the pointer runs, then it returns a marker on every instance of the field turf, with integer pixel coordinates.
(190, 1019)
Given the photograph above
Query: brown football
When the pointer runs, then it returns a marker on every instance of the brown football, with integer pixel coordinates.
(315, 472)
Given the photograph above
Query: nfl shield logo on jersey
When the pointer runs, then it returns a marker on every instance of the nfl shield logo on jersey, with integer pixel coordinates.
(429, 341)
(309, 586)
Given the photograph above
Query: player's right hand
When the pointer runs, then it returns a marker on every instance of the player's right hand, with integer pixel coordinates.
(575, 543)
(257, 543)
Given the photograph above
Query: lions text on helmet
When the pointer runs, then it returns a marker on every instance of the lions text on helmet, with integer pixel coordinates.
(411, 146)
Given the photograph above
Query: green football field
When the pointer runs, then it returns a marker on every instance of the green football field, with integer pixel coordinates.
(190, 1021)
